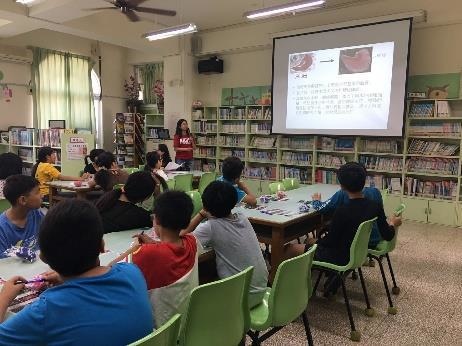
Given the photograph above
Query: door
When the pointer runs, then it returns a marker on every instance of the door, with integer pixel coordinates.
(416, 209)
(442, 212)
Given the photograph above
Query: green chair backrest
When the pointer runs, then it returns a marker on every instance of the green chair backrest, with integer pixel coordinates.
(166, 335)
(4, 205)
(206, 179)
(118, 186)
(359, 245)
(171, 184)
(291, 289)
(291, 183)
(275, 187)
(183, 182)
(217, 312)
(131, 170)
(390, 245)
(141, 167)
(197, 201)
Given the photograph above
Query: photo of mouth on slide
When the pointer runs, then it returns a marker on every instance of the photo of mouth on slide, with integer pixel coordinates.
(357, 60)
(301, 62)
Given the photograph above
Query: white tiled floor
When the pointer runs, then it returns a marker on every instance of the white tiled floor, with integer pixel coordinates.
(428, 268)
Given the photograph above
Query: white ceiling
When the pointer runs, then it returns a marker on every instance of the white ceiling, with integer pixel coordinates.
(68, 16)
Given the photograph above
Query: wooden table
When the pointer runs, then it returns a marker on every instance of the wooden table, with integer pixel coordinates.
(278, 230)
(81, 191)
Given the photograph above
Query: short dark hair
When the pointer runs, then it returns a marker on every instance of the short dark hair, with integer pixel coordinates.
(18, 185)
(70, 237)
(10, 164)
(151, 160)
(105, 159)
(173, 210)
(352, 176)
(42, 154)
(219, 198)
(232, 168)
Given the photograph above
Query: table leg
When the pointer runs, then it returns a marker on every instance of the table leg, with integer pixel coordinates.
(51, 192)
(277, 250)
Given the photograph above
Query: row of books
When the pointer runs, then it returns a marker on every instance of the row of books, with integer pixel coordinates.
(264, 128)
(306, 143)
(231, 152)
(204, 127)
(445, 189)
(297, 158)
(325, 177)
(263, 142)
(381, 163)
(124, 139)
(233, 127)
(206, 140)
(22, 136)
(381, 146)
(205, 151)
(232, 113)
(433, 165)
(238, 141)
(438, 109)
(417, 146)
(158, 133)
(258, 113)
(268, 172)
(204, 165)
(381, 182)
(340, 144)
(124, 150)
(451, 129)
(331, 160)
(263, 155)
(302, 174)
(198, 114)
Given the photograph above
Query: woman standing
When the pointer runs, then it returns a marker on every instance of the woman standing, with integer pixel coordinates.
(184, 145)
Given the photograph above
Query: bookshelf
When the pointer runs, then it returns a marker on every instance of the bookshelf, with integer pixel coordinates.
(129, 139)
(421, 169)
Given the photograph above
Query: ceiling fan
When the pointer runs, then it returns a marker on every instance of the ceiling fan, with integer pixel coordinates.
(130, 7)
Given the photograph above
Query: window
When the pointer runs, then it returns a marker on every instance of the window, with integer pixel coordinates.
(98, 106)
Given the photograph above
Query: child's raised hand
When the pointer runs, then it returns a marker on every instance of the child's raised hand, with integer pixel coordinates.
(144, 238)
(395, 221)
(316, 196)
(11, 289)
(52, 277)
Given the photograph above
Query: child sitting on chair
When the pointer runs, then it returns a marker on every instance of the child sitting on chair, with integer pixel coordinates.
(170, 266)
(335, 246)
(90, 304)
(19, 224)
(232, 169)
(231, 236)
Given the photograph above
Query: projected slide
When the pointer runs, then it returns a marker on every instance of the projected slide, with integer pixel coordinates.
(347, 87)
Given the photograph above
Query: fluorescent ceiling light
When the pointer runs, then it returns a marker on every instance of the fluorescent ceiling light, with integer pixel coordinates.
(26, 2)
(170, 32)
(298, 6)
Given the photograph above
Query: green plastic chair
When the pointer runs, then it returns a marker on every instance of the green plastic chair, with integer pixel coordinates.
(205, 180)
(381, 251)
(291, 183)
(286, 300)
(4, 205)
(131, 170)
(218, 312)
(275, 187)
(197, 201)
(183, 182)
(171, 184)
(141, 167)
(118, 186)
(167, 335)
(358, 254)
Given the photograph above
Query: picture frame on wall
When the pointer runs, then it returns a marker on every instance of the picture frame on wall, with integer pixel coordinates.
(57, 124)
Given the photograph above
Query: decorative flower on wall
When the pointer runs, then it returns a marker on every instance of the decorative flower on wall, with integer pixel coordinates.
(132, 89)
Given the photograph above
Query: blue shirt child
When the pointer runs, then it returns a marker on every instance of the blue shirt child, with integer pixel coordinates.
(110, 309)
(12, 235)
(240, 193)
(341, 198)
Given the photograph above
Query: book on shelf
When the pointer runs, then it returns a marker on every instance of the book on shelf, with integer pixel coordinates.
(263, 142)
(204, 165)
(238, 140)
(205, 151)
(305, 143)
(451, 129)
(263, 155)
(433, 165)
(22, 136)
(445, 189)
(266, 172)
(423, 147)
(260, 128)
(381, 163)
(381, 182)
(204, 127)
(237, 127)
(296, 158)
(331, 160)
(380, 146)
(326, 177)
(25, 154)
(259, 114)
(443, 110)
(337, 144)
(422, 109)
(49, 137)
(197, 114)
(302, 174)
(232, 152)
(206, 140)
(232, 113)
